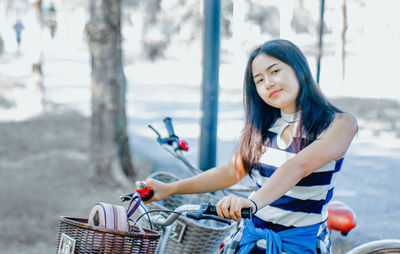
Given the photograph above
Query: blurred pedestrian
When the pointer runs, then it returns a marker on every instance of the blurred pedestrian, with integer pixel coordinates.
(52, 10)
(18, 27)
(35, 88)
(52, 28)
(52, 20)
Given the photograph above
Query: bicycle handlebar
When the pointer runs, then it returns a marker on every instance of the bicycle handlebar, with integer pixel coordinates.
(168, 125)
(196, 212)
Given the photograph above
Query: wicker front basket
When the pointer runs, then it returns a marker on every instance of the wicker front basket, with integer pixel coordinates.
(202, 236)
(89, 239)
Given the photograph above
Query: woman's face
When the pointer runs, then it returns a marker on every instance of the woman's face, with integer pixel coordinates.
(276, 82)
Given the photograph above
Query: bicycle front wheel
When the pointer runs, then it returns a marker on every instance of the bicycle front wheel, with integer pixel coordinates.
(386, 246)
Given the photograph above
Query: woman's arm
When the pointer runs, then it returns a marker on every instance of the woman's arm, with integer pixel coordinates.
(330, 145)
(211, 180)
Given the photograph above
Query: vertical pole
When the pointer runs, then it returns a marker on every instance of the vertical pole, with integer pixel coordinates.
(208, 135)
(321, 32)
(343, 36)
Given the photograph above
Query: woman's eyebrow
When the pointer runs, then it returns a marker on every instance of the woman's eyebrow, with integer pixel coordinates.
(272, 65)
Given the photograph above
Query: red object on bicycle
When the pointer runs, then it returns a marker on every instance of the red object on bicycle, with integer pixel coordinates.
(183, 145)
(146, 193)
(340, 217)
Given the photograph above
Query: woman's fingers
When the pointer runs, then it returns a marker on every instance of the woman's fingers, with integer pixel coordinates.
(149, 183)
(230, 207)
(223, 206)
(158, 188)
(234, 212)
(218, 208)
(237, 209)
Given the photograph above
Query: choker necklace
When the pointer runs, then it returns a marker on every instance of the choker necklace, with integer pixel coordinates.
(291, 118)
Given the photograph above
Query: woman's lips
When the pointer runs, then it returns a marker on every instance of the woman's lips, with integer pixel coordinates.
(274, 93)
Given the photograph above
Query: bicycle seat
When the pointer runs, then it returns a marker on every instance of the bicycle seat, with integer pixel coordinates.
(340, 217)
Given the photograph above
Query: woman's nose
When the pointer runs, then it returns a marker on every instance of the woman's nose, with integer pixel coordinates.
(269, 83)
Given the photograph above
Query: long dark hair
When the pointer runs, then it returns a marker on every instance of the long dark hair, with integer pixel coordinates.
(316, 112)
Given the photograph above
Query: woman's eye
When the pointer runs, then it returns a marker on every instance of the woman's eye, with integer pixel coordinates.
(259, 81)
(275, 71)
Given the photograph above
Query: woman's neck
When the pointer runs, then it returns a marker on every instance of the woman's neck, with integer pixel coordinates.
(291, 118)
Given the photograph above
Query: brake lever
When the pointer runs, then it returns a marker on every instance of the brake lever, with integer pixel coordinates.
(158, 134)
(170, 140)
(126, 197)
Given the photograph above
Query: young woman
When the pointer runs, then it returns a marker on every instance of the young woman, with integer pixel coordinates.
(293, 142)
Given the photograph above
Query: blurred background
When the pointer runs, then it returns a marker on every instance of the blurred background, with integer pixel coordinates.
(45, 100)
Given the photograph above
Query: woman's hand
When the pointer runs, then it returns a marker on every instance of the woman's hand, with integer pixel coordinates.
(230, 207)
(161, 190)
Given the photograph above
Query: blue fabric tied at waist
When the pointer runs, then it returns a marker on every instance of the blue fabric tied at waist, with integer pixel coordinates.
(295, 240)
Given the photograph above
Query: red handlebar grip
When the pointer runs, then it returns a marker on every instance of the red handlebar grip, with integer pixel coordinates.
(146, 193)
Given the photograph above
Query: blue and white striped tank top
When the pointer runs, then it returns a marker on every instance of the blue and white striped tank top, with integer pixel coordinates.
(306, 203)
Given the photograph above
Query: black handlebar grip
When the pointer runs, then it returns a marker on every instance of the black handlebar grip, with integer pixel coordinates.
(246, 212)
(168, 125)
(211, 209)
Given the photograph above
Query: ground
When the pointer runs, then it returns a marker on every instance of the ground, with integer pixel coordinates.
(43, 175)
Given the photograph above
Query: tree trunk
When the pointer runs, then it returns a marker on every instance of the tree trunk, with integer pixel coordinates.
(110, 151)
(1, 45)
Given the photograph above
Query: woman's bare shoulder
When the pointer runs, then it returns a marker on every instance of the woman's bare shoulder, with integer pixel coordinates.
(346, 120)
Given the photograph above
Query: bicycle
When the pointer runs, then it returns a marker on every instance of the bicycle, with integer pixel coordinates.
(340, 216)
(179, 232)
